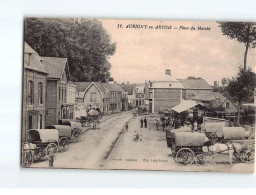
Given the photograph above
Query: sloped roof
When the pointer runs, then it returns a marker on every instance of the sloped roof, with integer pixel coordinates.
(81, 86)
(54, 66)
(32, 59)
(204, 97)
(128, 88)
(218, 95)
(195, 84)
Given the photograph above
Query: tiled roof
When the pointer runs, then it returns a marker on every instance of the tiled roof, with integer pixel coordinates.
(204, 97)
(54, 66)
(32, 59)
(218, 95)
(128, 88)
(81, 86)
(195, 84)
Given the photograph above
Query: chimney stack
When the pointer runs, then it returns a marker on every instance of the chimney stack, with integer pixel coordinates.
(168, 72)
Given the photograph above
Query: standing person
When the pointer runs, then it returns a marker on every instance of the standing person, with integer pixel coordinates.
(51, 156)
(145, 122)
(126, 126)
(157, 124)
(141, 123)
(163, 124)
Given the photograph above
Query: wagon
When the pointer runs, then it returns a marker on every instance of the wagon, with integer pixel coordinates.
(185, 145)
(245, 152)
(39, 142)
(76, 129)
(65, 136)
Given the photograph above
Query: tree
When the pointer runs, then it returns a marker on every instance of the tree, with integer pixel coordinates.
(243, 32)
(84, 42)
(224, 81)
(241, 87)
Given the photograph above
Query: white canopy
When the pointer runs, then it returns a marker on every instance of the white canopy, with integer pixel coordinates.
(185, 105)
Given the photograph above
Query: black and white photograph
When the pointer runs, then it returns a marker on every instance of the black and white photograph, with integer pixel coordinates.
(120, 94)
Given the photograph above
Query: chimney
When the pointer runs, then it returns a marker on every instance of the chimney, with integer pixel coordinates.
(168, 72)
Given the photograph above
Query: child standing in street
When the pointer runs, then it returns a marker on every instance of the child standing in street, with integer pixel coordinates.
(51, 156)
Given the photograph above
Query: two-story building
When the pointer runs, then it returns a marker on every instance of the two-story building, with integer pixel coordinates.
(197, 89)
(164, 93)
(34, 91)
(93, 95)
(56, 97)
(131, 94)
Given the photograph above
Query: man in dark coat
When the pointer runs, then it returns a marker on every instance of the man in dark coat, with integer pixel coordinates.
(141, 123)
(145, 122)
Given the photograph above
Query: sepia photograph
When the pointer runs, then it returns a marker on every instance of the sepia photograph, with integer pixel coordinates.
(115, 94)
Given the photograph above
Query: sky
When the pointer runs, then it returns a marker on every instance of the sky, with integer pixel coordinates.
(144, 54)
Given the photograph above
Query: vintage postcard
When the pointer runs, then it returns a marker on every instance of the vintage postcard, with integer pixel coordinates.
(138, 94)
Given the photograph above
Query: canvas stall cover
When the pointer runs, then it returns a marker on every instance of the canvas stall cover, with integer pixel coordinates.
(189, 138)
(233, 132)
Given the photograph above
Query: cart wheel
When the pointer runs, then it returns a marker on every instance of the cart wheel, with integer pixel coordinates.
(185, 156)
(63, 144)
(200, 159)
(247, 154)
(54, 146)
(75, 136)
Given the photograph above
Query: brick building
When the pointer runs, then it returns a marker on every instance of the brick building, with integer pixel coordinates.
(56, 97)
(164, 93)
(34, 91)
(197, 89)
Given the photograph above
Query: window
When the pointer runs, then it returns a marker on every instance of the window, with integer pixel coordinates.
(59, 93)
(40, 93)
(30, 119)
(62, 95)
(40, 121)
(30, 92)
(93, 97)
(227, 105)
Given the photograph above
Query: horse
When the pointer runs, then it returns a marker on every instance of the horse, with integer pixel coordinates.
(220, 148)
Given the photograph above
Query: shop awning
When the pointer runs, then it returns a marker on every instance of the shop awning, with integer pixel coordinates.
(185, 105)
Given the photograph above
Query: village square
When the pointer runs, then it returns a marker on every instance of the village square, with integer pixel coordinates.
(163, 123)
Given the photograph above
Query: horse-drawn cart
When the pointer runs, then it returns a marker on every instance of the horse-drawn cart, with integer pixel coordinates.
(185, 146)
(65, 135)
(76, 128)
(38, 144)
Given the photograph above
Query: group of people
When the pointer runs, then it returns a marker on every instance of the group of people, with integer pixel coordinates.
(143, 121)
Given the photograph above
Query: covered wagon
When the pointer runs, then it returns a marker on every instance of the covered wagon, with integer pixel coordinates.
(38, 144)
(186, 145)
(76, 128)
(65, 135)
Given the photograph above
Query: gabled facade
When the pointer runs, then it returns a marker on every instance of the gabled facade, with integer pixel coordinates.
(224, 105)
(34, 91)
(56, 99)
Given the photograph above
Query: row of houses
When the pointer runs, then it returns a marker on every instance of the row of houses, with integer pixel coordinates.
(49, 95)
